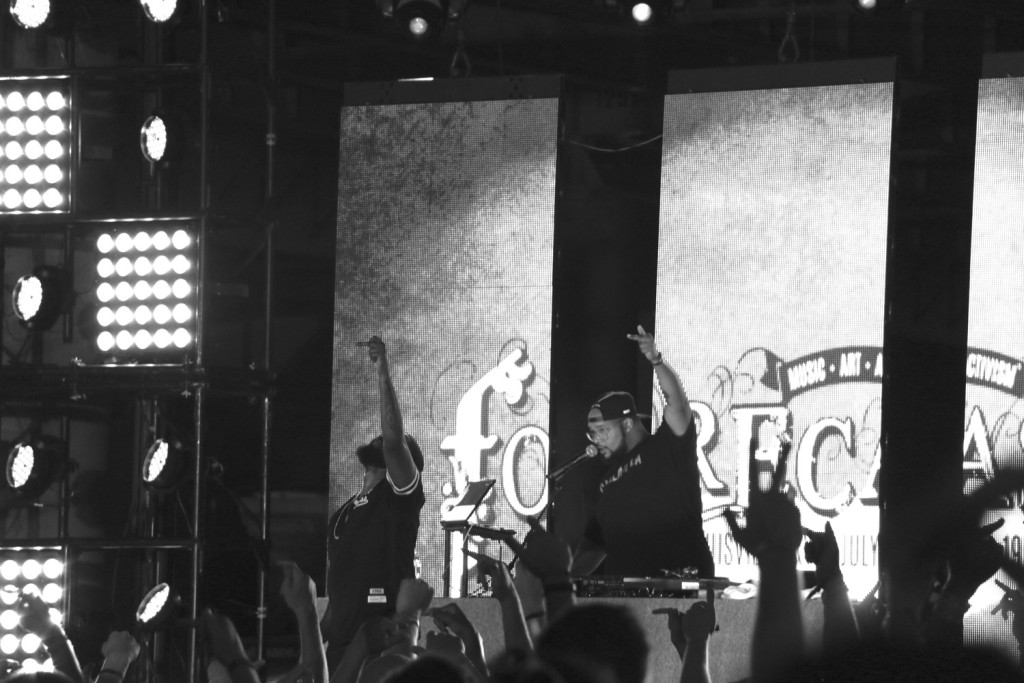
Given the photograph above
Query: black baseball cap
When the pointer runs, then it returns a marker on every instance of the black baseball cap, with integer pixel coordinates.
(614, 405)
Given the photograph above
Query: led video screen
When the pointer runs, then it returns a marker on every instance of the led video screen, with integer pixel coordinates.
(771, 279)
(994, 411)
(445, 250)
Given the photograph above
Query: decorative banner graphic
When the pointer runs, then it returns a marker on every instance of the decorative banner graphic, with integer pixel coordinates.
(994, 410)
(445, 249)
(770, 299)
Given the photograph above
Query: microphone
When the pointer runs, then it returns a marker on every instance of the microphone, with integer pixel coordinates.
(564, 469)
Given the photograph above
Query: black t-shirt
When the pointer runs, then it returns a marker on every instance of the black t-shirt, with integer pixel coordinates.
(371, 545)
(648, 515)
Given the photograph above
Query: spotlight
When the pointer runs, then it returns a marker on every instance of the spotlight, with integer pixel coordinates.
(33, 465)
(159, 11)
(642, 13)
(153, 138)
(158, 608)
(30, 13)
(40, 298)
(645, 12)
(165, 466)
(421, 20)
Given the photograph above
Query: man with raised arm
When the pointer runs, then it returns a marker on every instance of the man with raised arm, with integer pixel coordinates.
(371, 539)
(648, 518)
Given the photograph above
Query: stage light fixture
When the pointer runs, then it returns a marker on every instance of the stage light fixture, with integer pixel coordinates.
(16, 565)
(158, 609)
(642, 12)
(159, 11)
(645, 12)
(421, 20)
(146, 294)
(40, 298)
(35, 139)
(165, 466)
(30, 13)
(153, 139)
(34, 465)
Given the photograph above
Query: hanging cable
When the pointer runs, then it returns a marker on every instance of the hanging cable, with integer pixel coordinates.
(789, 48)
(460, 66)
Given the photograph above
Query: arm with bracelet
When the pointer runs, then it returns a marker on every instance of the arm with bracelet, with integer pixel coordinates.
(119, 651)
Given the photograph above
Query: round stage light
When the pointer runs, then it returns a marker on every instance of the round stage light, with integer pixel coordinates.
(30, 13)
(105, 341)
(35, 101)
(53, 198)
(421, 19)
(153, 139)
(159, 10)
(52, 593)
(31, 569)
(9, 620)
(32, 467)
(9, 644)
(155, 607)
(55, 101)
(52, 568)
(40, 298)
(10, 570)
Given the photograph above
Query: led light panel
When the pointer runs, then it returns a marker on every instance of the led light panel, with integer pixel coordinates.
(146, 291)
(35, 145)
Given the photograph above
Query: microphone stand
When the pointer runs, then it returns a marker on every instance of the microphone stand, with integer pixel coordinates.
(554, 486)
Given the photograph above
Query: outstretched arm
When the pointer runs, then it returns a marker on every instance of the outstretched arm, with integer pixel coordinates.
(840, 627)
(690, 631)
(299, 593)
(549, 559)
(35, 617)
(517, 636)
(397, 456)
(772, 535)
(677, 406)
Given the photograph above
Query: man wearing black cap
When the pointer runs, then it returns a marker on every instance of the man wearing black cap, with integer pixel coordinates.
(371, 539)
(648, 515)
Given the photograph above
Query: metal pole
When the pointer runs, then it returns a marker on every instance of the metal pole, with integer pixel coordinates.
(271, 143)
(198, 487)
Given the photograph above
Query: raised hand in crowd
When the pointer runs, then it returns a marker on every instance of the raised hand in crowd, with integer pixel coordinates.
(690, 631)
(35, 618)
(372, 641)
(772, 535)
(384, 645)
(299, 592)
(225, 646)
(119, 650)
(974, 557)
(414, 596)
(503, 589)
(452, 620)
(840, 623)
(549, 558)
